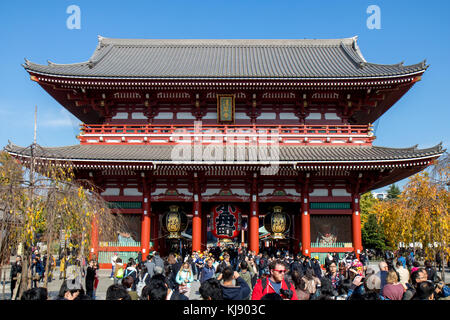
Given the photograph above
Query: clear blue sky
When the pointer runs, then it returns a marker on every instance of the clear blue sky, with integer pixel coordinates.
(410, 31)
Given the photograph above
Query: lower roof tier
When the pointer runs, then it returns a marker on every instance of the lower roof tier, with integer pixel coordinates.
(227, 154)
(379, 166)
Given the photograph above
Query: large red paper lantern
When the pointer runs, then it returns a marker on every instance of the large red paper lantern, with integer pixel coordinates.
(226, 221)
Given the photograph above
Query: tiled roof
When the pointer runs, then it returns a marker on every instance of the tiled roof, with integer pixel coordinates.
(226, 59)
(163, 153)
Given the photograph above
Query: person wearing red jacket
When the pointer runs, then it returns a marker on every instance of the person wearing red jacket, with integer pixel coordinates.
(275, 283)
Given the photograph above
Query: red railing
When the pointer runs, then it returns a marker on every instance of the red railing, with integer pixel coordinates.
(130, 133)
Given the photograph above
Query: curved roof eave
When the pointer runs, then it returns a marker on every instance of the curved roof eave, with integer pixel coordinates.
(352, 64)
(226, 78)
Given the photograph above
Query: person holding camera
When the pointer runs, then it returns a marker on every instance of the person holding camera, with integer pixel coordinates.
(37, 271)
(275, 283)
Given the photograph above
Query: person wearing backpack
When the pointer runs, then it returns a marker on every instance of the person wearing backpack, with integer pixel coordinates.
(275, 283)
(118, 273)
(143, 280)
(159, 262)
(247, 273)
(131, 271)
(233, 286)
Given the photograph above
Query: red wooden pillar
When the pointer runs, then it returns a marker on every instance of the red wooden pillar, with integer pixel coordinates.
(196, 218)
(94, 239)
(356, 225)
(305, 220)
(196, 225)
(253, 225)
(145, 221)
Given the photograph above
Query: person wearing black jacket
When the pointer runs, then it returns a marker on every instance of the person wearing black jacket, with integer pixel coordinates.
(238, 291)
(263, 265)
(307, 264)
(37, 271)
(418, 276)
(225, 263)
(16, 268)
(431, 272)
(316, 267)
(336, 258)
(297, 266)
(158, 289)
(90, 278)
(329, 258)
(233, 257)
(172, 270)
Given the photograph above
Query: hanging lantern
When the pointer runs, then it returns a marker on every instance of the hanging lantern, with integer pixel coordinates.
(226, 219)
(277, 223)
(174, 222)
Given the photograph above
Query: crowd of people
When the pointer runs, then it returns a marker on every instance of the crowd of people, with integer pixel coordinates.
(72, 268)
(234, 273)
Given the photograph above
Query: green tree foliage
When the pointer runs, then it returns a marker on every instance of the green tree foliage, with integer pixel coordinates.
(371, 232)
(393, 192)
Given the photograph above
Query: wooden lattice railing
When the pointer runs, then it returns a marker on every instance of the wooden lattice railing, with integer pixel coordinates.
(172, 134)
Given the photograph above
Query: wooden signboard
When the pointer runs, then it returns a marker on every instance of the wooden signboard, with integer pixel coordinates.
(225, 108)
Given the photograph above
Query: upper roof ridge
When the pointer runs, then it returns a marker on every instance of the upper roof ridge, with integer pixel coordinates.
(225, 42)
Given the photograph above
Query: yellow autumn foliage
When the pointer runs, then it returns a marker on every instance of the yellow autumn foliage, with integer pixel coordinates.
(420, 214)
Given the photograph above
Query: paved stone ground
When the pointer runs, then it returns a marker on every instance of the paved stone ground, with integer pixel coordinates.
(105, 282)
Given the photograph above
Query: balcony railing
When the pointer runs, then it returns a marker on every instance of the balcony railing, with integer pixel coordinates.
(331, 245)
(206, 134)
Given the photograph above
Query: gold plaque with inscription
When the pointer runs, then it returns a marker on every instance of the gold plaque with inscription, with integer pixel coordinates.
(225, 108)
